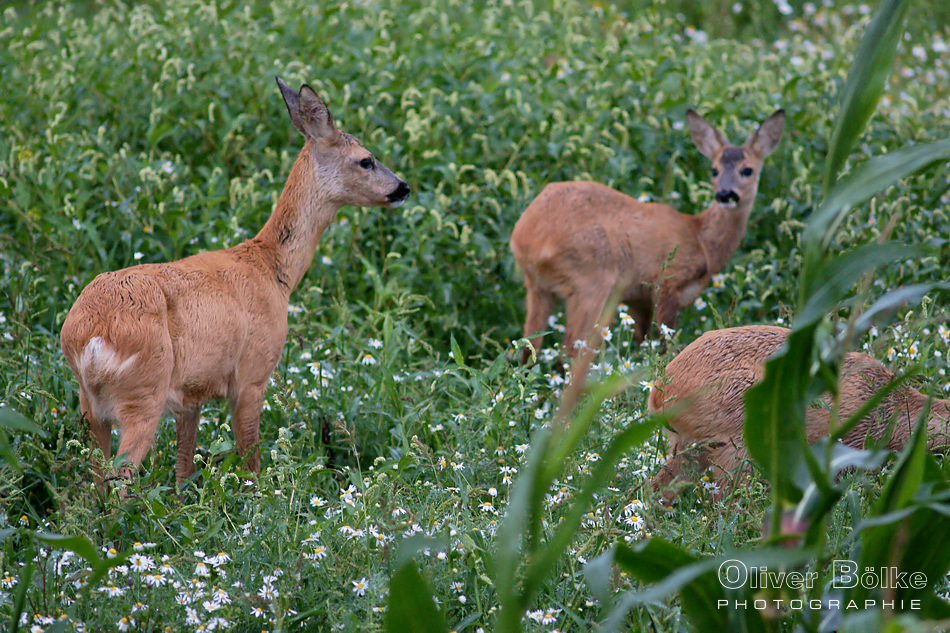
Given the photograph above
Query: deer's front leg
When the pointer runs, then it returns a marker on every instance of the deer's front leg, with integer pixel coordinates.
(246, 418)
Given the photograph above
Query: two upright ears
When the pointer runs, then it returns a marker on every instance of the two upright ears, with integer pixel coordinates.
(708, 139)
(764, 140)
(307, 111)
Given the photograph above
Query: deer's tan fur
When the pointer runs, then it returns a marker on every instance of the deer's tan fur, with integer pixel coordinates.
(706, 383)
(582, 241)
(160, 338)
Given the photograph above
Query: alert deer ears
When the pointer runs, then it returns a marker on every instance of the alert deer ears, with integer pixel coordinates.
(708, 139)
(307, 111)
(766, 138)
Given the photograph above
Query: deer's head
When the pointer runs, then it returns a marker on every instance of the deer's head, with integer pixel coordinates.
(735, 170)
(349, 173)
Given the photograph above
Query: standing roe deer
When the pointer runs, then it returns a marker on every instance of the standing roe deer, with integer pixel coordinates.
(581, 241)
(711, 375)
(159, 338)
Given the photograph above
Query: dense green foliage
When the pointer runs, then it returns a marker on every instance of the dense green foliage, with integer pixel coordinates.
(149, 132)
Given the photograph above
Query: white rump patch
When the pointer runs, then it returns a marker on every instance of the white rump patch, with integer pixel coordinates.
(99, 358)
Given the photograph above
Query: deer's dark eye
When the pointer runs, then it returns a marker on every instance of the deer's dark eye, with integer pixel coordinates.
(367, 163)
(746, 172)
(715, 172)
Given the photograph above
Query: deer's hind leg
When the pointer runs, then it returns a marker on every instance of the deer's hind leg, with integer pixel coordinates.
(584, 309)
(540, 304)
(140, 393)
(138, 418)
(726, 468)
(246, 416)
(186, 430)
(101, 431)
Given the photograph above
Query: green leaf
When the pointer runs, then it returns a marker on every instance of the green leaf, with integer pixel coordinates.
(673, 571)
(864, 181)
(832, 279)
(8, 454)
(580, 424)
(865, 83)
(512, 531)
(774, 429)
(546, 560)
(211, 532)
(411, 607)
(79, 545)
(869, 405)
(670, 569)
(457, 352)
(823, 488)
(908, 472)
(13, 421)
(26, 576)
(909, 528)
(885, 307)
(597, 574)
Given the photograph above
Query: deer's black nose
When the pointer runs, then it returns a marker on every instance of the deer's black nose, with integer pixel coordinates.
(401, 193)
(726, 195)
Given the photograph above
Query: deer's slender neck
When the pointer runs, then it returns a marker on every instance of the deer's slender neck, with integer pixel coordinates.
(303, 212)
(721, 231)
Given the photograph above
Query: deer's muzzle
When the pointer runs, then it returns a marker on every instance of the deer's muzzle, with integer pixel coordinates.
(400, 193)
(725, 196)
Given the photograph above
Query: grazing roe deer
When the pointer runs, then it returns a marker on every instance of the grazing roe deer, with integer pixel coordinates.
(582, 241)
(711, 375)
(160, 338)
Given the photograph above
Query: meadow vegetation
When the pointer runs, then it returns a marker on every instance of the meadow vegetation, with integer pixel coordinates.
(145, 132)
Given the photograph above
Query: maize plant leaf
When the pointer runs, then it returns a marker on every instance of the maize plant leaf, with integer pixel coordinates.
(908, 531)
(511, 536)
(699, 582)
(774, 430)
(633, 435)
(865, 83)
(883, 308)
(822, 488)
(411, 607)
(834, 277)
(864, 181)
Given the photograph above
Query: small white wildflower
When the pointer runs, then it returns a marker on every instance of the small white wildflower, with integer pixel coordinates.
(360, 586)
(141, 563)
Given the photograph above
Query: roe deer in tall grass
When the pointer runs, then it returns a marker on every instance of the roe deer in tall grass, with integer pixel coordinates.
(160, 338)
(582, 241)
(709, 378)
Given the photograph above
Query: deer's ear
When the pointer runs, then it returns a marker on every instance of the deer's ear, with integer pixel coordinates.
(317, 120)
(293, 104)
(307, 111)
(708, 139)
(766, 138)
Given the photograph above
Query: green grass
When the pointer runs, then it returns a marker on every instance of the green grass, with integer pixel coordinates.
(148, 132)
